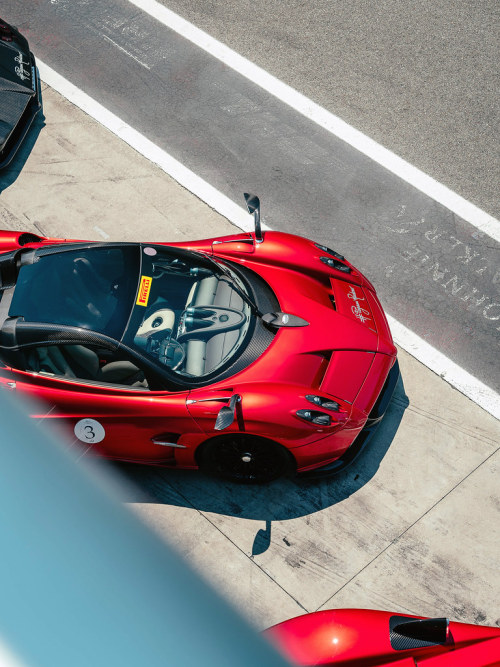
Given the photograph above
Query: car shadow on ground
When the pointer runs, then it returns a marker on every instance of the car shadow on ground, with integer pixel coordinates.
(10, 173)
(278, 501)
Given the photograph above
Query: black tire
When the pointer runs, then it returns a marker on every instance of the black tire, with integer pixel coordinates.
(245, 458)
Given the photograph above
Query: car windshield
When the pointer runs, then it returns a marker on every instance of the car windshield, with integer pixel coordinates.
(188, 317)
(85, 287)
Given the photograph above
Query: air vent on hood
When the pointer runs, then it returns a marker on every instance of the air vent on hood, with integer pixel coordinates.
(329, 251)
(335, 264)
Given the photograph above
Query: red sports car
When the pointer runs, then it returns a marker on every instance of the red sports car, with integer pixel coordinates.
(368, 638)
(248, 356)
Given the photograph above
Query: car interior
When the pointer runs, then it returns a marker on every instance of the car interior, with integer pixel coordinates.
(201, 336)
(82, 362)
(193, 323)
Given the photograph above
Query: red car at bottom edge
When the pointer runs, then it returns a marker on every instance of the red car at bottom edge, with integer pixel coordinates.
(369, 638)
(248, 356)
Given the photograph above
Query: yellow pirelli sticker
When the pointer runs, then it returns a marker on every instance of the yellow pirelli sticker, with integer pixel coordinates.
(144, 289)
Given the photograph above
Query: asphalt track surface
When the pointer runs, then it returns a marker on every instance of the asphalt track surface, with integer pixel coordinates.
(435, 272)
(421, 78)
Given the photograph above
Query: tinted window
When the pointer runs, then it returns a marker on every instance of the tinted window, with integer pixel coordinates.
(93, 288)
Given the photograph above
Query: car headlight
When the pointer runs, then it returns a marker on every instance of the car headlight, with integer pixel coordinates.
(326, 403)
(315, 417)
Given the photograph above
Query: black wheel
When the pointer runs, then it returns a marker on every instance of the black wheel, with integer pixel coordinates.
(245, 458)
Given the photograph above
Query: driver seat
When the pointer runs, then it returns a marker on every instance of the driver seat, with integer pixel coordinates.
(78, 361)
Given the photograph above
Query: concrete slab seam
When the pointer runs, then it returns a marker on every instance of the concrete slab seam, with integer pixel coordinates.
(188, 502)
(396, 539)
(325, 119)
(460, 379)
(468, 430)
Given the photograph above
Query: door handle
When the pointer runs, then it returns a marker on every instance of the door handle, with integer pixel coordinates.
(10, 385)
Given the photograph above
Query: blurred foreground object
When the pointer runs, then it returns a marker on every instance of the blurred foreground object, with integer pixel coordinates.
(85, 583)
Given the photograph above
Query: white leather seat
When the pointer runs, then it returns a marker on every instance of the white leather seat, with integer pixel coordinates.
(202, 356)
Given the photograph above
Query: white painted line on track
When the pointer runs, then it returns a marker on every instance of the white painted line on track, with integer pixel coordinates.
(144, 146)
(436, 361)
(472, 214)
(473, 388)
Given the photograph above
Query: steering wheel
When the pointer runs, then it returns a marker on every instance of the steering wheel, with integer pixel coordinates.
(171, 353)
(168, 350)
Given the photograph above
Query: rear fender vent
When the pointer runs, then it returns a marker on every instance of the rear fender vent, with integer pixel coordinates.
(411, 633)
(325, 360)
(332, 299)
(27, 237)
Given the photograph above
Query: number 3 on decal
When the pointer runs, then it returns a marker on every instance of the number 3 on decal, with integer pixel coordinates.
(89, 430)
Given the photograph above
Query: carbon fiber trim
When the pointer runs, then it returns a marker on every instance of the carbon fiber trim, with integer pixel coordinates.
(8, 269)
(45, 251)
(262, 294)
(434, 629)
(40, 333)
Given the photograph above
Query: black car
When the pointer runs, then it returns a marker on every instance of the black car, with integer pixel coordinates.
(20, 99)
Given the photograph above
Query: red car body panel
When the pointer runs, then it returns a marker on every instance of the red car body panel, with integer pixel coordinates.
(361, 637)
(345, 351)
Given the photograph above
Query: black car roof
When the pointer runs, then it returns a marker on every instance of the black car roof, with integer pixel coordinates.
(19, 91)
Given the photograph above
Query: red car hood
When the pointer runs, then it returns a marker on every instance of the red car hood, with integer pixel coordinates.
(347, 330)
(335, 351)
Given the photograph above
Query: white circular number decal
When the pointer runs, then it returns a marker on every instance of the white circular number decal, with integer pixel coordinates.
(89, 430)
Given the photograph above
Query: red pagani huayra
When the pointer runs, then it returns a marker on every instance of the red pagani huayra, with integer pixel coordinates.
(249, 355)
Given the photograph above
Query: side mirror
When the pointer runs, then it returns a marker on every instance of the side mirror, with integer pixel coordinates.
(253, 206)
(226, 414)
